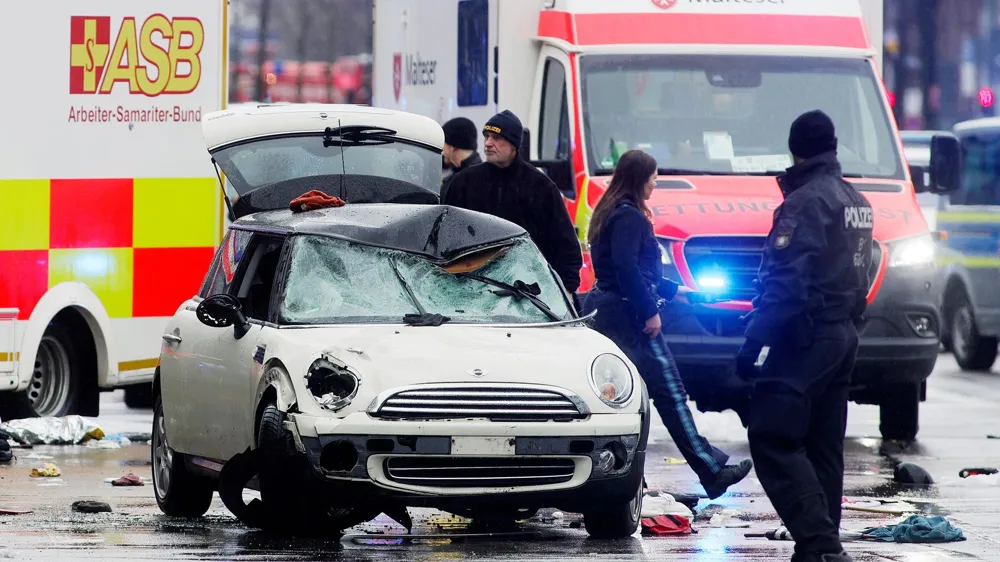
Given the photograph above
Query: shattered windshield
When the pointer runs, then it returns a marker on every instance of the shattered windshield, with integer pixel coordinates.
(252, 165)
(333, 281)
(730, 114)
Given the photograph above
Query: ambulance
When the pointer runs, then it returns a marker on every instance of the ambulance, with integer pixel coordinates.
(709, 88)
(110, 209)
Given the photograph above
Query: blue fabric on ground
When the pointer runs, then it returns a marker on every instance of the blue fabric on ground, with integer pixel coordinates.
(918, 529)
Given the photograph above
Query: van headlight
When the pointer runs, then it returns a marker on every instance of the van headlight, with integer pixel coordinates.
(912, 252)
(611, 379)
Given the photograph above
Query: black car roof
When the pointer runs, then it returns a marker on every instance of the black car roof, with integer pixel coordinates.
(438, 232)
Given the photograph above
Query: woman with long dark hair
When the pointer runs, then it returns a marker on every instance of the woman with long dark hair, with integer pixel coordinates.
(628, 296)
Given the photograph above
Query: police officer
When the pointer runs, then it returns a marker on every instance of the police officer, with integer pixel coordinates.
(460, 147)
(508, 187)
(812, 286)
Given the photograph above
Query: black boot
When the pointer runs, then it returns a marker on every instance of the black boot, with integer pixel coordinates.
(726, 477)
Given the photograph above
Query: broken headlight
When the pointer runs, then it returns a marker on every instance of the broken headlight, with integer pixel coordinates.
(331, 383)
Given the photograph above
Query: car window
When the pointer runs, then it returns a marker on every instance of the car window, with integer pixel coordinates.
(257, 284)
(980, 171)
(334, 281)
(230, 254)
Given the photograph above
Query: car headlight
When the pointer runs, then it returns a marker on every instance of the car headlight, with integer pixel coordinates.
(611, 379)
(332, 384)
(912, 252)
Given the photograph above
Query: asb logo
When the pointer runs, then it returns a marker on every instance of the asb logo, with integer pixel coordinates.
(664, 4)
(160, 57)
(397, 74)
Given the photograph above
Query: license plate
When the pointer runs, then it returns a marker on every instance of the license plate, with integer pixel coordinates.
(483, 446)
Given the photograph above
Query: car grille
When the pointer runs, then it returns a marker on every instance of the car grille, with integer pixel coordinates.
(738, 259)
(479, 472)
(495, 402)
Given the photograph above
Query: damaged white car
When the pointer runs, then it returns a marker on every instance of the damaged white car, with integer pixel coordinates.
(383, 354)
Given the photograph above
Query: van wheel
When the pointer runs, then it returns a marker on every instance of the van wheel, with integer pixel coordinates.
(55, 380)
(972, 351)
(615, 521)
(179, 492)
(899, 413)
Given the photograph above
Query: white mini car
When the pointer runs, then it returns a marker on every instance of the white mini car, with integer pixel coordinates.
(391, 352)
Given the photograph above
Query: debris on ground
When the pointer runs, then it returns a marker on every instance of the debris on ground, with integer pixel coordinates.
(672, 460)
(917, 529)
(779, 534)
(894, 507)
(37, 457)
(86, 506)
(665, 525)
(974, 480)
(656, 503)
(138, 437)
(910, 474)
(728, 518)
(48, 471)
(448, 521)
(128, 480)
(67, 430)
(102, 444)
(13, 511)
(967, 472)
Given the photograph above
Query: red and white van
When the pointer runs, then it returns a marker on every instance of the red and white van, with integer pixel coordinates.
(710, 88)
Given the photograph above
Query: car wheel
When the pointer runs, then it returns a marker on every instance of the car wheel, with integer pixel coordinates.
(139, 396)
(178, 491)
(615, 521)
(899, 413)
(972, 351)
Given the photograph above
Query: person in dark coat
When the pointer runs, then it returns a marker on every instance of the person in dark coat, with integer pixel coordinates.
(508, 187)
(460, 146)
(629, 294)
(813, 284)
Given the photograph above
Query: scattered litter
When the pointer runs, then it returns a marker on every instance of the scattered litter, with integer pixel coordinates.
(666, 525)
(145, 480)
(728, 518)
(36, 456)
(48, 471)
(911, 474)
(672, 460)
(779, 534)
(967, 472)
(86, 506)
(881, 506)
(128, 480)
(655, 504)
(993, 436)
(68, 430)
(102, 444)
(13, 512)
(138, 437)
(917, 529)
(133, 462)
(974, 481)
(444, 522)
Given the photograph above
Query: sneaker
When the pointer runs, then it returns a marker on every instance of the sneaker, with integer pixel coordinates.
(729, 475)
(5, 454)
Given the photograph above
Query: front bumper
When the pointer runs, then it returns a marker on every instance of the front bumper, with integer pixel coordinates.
(474, 463)
(891, 350)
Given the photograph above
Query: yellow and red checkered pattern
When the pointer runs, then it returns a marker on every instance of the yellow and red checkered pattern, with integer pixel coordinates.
(142, 245)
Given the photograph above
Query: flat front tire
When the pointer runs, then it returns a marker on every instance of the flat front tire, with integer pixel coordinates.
(178, 492)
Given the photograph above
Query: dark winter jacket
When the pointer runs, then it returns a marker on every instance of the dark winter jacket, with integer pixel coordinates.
(816, 262)
(527, 197)
(628, 262)
(469, 162)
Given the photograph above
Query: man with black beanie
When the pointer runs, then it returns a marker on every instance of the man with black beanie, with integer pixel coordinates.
(508, 187)
(460, 145)
(812, 289)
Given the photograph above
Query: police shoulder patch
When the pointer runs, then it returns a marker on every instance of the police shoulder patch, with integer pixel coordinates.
(783, 235)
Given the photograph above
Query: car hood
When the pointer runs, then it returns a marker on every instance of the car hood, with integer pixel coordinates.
(387, 357)
(744, 205)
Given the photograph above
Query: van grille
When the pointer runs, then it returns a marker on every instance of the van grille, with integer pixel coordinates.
(479, 472)
(491, 401)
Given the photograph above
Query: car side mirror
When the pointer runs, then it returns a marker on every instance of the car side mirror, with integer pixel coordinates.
(946, 163)
(221, 311)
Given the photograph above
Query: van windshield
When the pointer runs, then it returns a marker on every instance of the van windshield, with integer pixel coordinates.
(708, 114)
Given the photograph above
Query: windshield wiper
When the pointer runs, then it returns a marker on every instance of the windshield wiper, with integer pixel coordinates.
(424, 318)
(519, 290)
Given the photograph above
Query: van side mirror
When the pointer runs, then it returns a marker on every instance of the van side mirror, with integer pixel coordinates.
(946, 163)
(221, 311)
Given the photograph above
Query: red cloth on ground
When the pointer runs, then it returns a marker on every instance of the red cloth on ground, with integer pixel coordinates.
(313, 200)
(665, 525)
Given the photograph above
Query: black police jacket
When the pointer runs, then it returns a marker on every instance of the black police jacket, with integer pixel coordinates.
(469, 162)
(526, 197)
(815, 267)
(627, 261)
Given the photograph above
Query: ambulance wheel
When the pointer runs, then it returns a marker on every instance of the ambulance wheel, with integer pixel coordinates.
(899, 413)
(55, 380)
(972, 351)
(615, 521)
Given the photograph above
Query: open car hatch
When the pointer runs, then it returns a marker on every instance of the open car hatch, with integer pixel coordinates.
(267, 155)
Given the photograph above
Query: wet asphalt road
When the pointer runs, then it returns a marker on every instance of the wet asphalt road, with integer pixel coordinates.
(961, 411)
